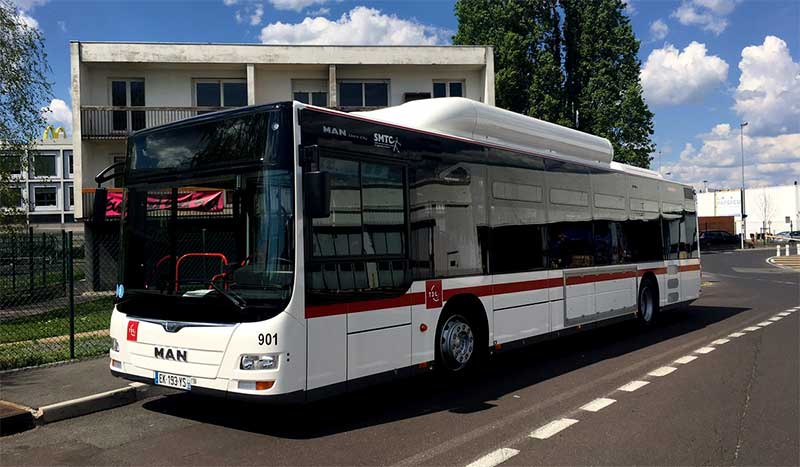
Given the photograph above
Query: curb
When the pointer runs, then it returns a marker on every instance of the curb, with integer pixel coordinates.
(28, 418)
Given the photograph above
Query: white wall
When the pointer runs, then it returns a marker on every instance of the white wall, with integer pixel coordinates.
(762, 206)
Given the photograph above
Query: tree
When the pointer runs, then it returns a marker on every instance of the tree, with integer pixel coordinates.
(24, 90)
(581, 72)
(527, 41)
(602, 78)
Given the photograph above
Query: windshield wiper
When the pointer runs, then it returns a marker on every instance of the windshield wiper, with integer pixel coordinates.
(235, 299)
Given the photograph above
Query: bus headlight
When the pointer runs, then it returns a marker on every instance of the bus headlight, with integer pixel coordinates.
(259, 362)
(114, 344)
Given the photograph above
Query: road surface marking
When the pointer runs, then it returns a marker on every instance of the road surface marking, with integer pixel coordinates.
(764, 323)
(663, 371)
(704, 350)
(598, 404)
(776, 318)
(720, 341)
(751, 328)
(736, 334)
(784, 313)
(686, 359)
(495, 457)
(553, 427)
(633, 385)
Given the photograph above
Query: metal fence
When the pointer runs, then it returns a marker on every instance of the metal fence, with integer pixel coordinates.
(56, 295)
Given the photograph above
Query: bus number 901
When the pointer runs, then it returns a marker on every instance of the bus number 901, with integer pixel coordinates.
(268, 339)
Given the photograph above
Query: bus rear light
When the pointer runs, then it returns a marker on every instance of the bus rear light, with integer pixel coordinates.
(114, 344)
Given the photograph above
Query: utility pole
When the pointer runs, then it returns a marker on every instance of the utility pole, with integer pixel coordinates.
(744, 215)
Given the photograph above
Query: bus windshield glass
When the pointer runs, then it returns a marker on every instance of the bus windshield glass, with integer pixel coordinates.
(207, 220)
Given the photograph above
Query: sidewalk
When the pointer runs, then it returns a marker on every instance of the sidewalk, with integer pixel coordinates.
(64, 391)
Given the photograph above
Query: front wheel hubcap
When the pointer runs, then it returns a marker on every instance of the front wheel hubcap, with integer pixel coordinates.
(457, 342)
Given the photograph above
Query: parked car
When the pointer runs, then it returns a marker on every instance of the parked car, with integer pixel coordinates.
(788, 237)
(711, 239)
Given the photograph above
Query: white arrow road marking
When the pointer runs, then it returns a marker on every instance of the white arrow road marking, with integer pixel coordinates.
(495, 457)
(552, 428)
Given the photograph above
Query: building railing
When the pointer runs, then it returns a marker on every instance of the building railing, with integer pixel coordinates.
(115, 122)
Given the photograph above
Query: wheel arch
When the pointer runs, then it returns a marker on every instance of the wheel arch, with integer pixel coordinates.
(472, 308)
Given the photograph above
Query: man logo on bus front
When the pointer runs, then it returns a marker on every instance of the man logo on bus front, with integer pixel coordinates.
(433, 294)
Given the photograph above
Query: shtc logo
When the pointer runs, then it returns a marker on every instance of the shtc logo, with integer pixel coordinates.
(433, 294)
(387, 141)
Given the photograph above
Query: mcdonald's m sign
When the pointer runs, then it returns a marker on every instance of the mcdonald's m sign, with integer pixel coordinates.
(53, 132)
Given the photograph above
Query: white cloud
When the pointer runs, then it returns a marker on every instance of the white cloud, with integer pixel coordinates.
(321, 11)
(27, 20)
(360, 26)
(670, 76)
(256, 15)
(768, 95)
(658, 29)
(27, 5)
(769, 160)
(62, 25)
(707, 14)
(59, 113)
(230, 2)
(630, 9)
(296, 5)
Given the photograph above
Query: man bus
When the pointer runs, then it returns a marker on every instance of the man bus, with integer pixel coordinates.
(286, 251)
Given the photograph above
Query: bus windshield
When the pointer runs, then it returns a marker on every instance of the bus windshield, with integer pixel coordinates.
(207, 220)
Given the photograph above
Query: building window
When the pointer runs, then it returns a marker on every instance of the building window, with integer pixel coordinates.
(127, 93)
(448, 89)
(45, 197)
(11, 198)
(220, 93)
(364, 94)
(69, 198)
(416, 96)
(319, 99)
(11, 164)
(68, 164)
(44, 164)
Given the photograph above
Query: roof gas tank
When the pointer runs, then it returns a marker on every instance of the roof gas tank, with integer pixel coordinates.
(484, 123)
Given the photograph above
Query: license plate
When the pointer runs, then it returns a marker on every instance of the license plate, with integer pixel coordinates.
(173, 381)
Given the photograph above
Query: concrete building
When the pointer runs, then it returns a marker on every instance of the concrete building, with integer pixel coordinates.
(118, 88)
(43, 188)
(769, 209)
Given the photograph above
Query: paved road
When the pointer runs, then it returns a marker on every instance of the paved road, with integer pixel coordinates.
(734, 405)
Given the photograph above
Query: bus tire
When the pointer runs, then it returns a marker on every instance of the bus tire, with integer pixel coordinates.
(457, 342)
(647, 300)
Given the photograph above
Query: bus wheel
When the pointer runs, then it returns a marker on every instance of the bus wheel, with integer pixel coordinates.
(648, 301)
(456, 343)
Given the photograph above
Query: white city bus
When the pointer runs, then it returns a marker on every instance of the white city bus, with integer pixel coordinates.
(286, 252)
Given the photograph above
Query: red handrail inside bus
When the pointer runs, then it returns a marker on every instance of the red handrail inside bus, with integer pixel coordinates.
(222, 257)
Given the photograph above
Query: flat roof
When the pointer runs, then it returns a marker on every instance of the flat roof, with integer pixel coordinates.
(217, 53)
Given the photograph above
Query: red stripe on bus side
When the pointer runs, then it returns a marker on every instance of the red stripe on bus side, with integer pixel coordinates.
(689, 267)
(319, 311)
(653, 270)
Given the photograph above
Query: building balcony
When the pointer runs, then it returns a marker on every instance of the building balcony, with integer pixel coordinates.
(107, 122)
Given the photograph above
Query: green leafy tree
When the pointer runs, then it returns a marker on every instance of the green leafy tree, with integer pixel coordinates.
(571, 62)
(602, 78)
(527, 42)
(24, 90)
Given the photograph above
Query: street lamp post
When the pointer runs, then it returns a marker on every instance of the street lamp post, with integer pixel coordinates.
(744, 215)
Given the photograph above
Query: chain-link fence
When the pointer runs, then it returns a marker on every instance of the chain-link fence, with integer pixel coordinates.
(56, 295)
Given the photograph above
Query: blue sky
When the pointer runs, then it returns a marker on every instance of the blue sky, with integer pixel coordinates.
(707, 64)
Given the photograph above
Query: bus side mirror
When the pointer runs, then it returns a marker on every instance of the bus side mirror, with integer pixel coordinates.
(99, 205)
(317, 189)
